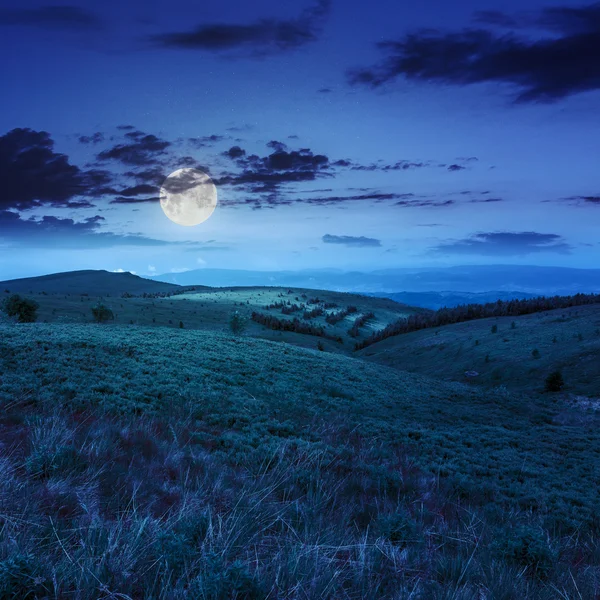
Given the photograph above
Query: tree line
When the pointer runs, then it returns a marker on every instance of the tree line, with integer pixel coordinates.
(294, 325)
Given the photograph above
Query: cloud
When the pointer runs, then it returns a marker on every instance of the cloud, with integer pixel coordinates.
(126, 200)
(424, 203)
(581, 200)
(204, 141)
(348, 240)
(375, 196)
(54, 232)
(541, 70)
(145, 149)
(506, 244)
(456, 168)
(33, 174)
(265, 36)
(95, 138)
(51, 17)
(234, 152)
(266, 174)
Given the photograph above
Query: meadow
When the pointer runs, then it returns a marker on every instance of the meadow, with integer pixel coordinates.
(147, 460)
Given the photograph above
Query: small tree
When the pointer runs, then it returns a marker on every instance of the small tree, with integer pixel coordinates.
(102, 313)
(494, 328)
(237, 323)
(554, 382)
(180, 324)
(513, 325)
(535, 353)
(24, 309)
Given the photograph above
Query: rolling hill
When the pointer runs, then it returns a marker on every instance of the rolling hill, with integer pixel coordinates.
(567, 339)
(186, 463)
(162, 456)
(91, 282)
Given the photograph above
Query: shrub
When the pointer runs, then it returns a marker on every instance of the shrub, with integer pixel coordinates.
(24, 309)
(237, 323)
(535, 353)
(102, 313)
(494, 328)
(526, 547)
(20, 577)
(554, 382)
(513, 325)
(180, 324)
(477, 342)
(320, 346)
(399, 528)
(554, 340)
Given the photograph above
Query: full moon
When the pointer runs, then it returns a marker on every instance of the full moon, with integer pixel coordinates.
(188, 197)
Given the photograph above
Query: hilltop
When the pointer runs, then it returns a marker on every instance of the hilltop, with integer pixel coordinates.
(90, 282)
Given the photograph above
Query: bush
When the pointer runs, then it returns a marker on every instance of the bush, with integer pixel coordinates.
(513, 325)
(535, 353)
(180, 324)
(526, 547)
(554, 382)
(400, 529)
(494, 328)
(102, 313)
(23, 308)
(237, 323)
(20, 577)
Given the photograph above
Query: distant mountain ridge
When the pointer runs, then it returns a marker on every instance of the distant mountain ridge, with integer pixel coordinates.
(450, 299)
(94, 283)
(469, 278)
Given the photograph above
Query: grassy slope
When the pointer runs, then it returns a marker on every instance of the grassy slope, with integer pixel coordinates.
(452, 351)
(163, 463)
(86, 282)
(247, 393)
(210, 309)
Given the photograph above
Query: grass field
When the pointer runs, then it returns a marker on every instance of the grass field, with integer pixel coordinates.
(210, 309)
(162, 463)
(141, 459)
(567, 339)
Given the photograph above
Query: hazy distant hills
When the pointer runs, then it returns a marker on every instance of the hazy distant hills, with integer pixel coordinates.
(437, 300)
(93, 283)
(470, 278)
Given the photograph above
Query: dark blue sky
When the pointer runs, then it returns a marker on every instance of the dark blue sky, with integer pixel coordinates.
(346, 134)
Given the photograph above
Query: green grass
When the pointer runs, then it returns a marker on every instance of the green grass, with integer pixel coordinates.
(210, 309)
(159, 462)
(512, 363)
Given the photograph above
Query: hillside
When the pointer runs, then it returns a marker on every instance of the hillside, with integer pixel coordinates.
(202, 465)
(210, 308)
(447, 352)
(90, 282)
(437, 300)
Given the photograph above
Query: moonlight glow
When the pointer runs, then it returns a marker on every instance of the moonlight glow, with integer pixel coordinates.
(188, 197)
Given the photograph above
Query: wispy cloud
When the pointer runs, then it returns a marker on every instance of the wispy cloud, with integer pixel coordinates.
(546, 69)
(349, 240)
(262, 37)
(505, 244)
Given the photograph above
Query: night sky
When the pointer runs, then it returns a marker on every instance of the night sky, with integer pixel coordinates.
(339, 133)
